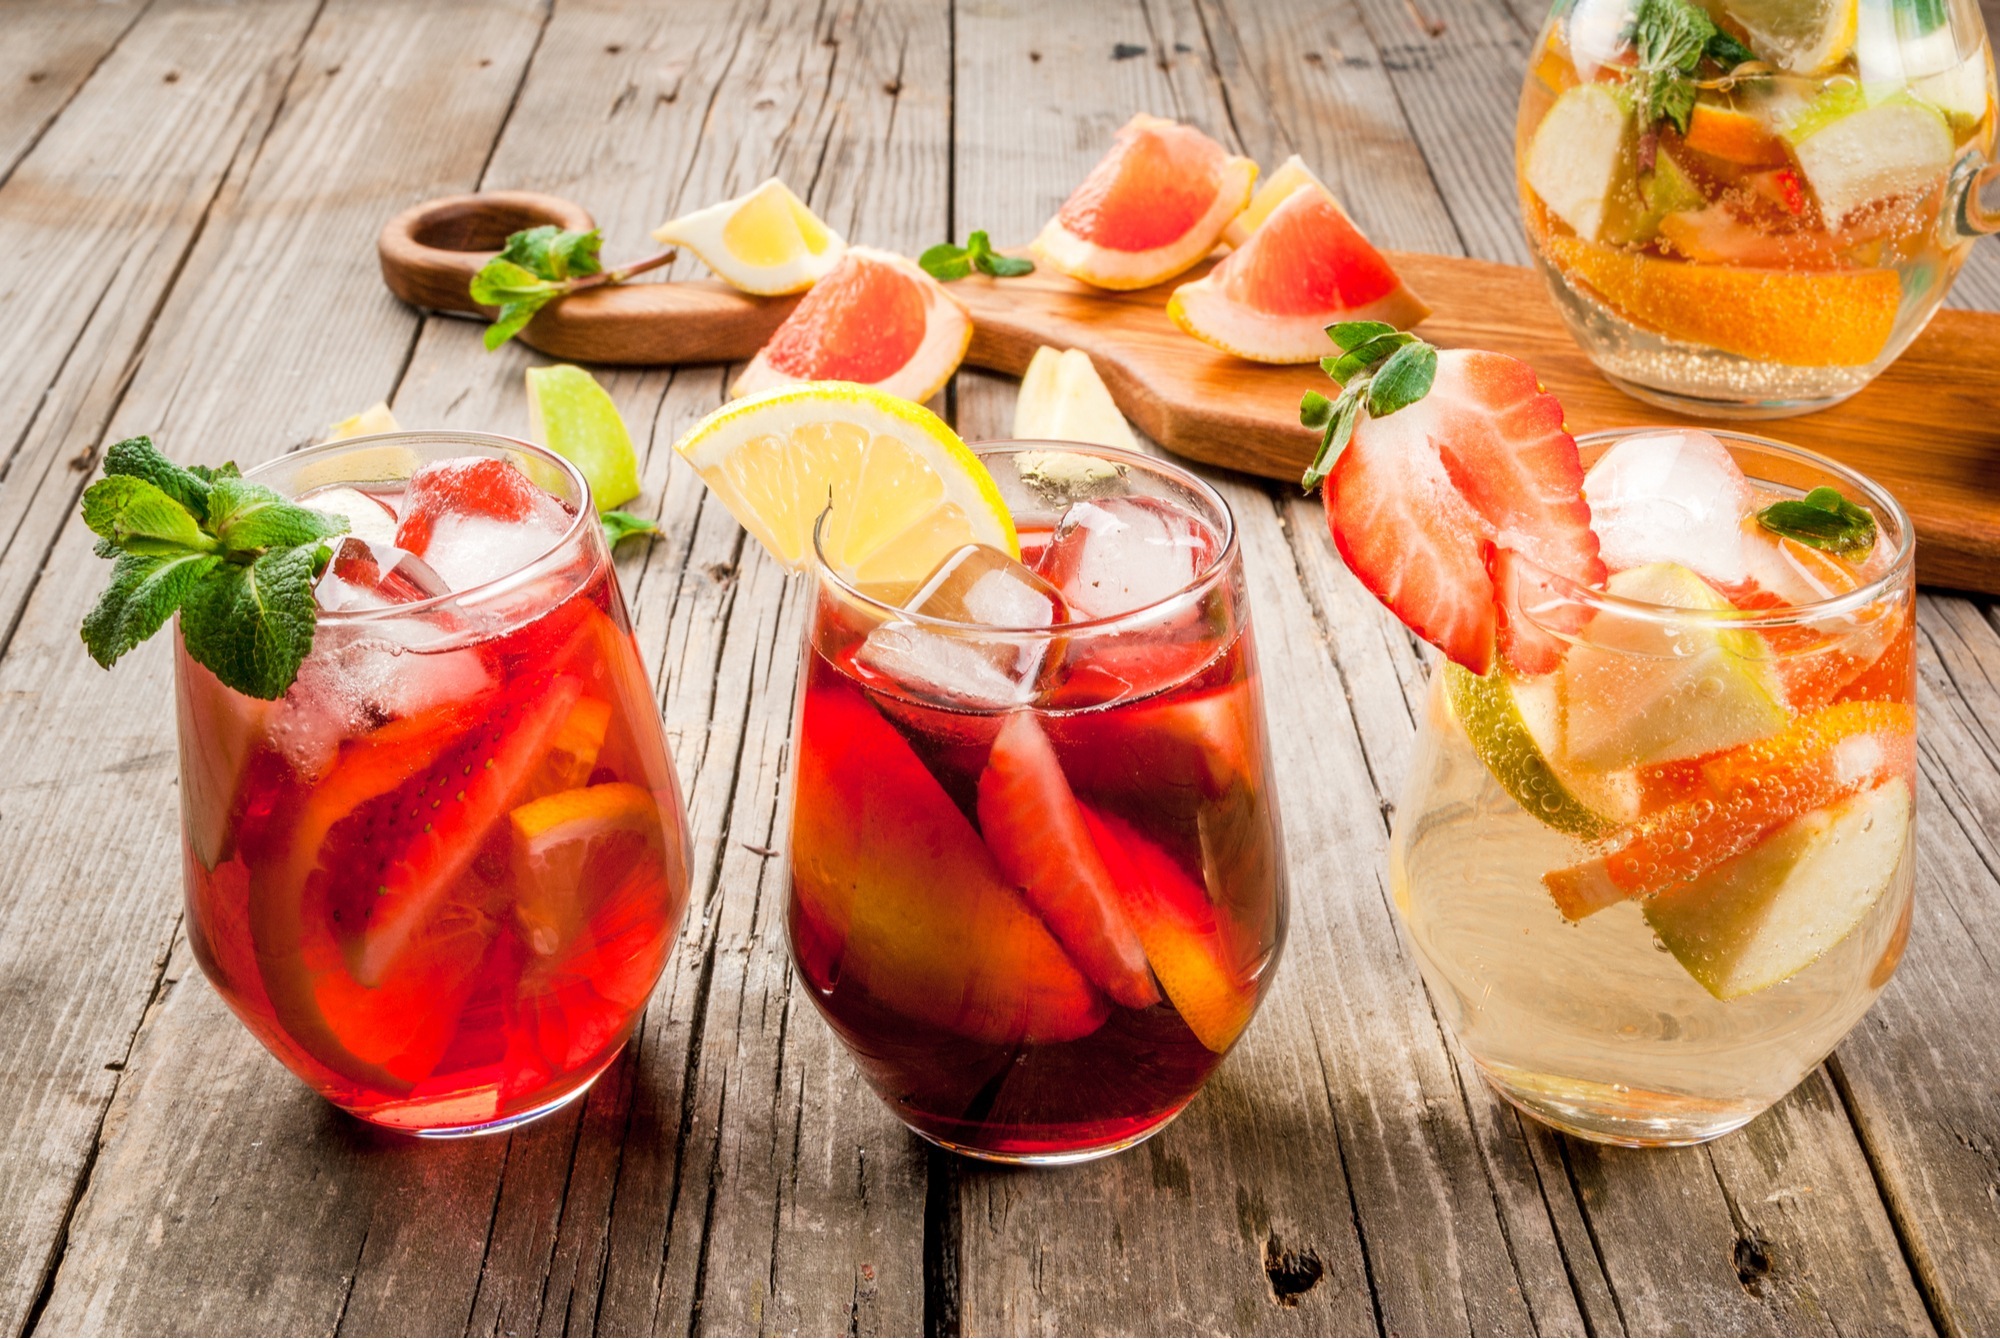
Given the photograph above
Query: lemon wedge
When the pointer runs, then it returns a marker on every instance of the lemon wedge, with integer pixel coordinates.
(573, 416)
(375, 418)
(1800, 36)
(1064, 400)
(903, 489)
(767, 242)
(1292, 175)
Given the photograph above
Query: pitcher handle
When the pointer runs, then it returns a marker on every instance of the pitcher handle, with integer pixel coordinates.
(1966, 206)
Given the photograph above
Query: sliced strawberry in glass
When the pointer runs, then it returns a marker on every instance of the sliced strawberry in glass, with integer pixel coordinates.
(1037, 835)
(469, 486)
(1181, 932)
(904, 900)
(1178, 751)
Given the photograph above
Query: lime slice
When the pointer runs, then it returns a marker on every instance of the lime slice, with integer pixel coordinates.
(1064, 400)
(903, 489)
(570, 414)
(1769, 914)
(1800, 36)
(1641, 692)
(1512, 724)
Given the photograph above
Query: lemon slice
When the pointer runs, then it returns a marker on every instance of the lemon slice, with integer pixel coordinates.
(1801, 36)
(554, 840)
(904, 490)
(375, 418)
(1512, 725)
(766, 242)
(1064, 400)
(573, 416)
(1292, 175)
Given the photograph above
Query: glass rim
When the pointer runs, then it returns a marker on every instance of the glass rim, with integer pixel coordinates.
(1880, 500)
(1217, 568)
(541, 564)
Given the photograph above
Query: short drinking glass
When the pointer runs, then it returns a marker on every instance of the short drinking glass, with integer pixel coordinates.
(1036, 876)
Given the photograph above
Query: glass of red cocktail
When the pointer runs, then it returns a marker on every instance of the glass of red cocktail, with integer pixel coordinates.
(1037, 878)
(440, 876)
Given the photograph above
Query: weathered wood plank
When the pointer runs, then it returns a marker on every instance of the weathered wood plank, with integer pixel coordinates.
(279, 293)
(51, 48)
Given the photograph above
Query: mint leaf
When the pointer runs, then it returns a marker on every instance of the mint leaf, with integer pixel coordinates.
(513, 316)
(945, 262)
(145, 591)
(1727, 52)
(500, 282)
(1670, 34)
(248, 517)
(1403, 380)
(252, 623)
(551, 253)
(1824, 520)
(1352, 334)
(208, 474)
(138, 458)
(1006, 267)
(135, 516)
(620, 526)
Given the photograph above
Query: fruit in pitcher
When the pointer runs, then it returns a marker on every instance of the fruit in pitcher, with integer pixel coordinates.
(1423, 496)
(1770, 913)
(1581, 156)
(767, 242)
(903, 898)
(1853, 155)
(1156, 203)
(903, 489)
(1304, 267)
(876, 320)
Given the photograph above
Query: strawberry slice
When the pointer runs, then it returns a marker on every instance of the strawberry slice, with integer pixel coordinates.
(1422, 499)
(466, 486)
(1037, 835)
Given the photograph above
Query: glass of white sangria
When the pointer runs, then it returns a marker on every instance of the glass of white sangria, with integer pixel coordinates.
(1749, 208)
(1657, 859)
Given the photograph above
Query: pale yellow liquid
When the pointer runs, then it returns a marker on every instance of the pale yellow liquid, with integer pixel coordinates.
(1594, 1026)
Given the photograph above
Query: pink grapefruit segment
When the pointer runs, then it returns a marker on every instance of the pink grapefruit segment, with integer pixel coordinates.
(1304, 268)
(876, 320)
(1156, 203)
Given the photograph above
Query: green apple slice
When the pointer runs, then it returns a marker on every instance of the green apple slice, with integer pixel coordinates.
(1639, 693)
(1853, 155)
(1769, 914)
(1633, 217)
(1580, 160)
(1513, 725)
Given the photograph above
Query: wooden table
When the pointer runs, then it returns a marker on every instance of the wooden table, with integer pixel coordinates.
(188, 194)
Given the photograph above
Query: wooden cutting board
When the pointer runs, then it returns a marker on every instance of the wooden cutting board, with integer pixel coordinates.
(1928, 428)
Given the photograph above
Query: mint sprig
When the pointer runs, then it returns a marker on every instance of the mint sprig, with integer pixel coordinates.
(1672, 38)
(620, 526)
(946, 262)
(1380, 369)
(1824, 520)
(539, 265)
(235, 559)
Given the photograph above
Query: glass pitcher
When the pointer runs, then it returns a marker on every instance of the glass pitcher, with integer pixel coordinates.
(1749, 210)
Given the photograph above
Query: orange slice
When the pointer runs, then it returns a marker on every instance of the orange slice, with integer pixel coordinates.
(1733, 136)
(570, 846)
(1830, 319)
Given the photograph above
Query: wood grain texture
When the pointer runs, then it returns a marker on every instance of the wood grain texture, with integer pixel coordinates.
(52, 47)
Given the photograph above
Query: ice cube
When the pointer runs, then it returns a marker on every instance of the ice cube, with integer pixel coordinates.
(475, 519)
(1671, 497)
(368, 516)
(975, 585)
(354, 681)
(368, 574)
(1113, 555)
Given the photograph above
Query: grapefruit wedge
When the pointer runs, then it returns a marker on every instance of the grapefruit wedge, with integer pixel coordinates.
(1303, 268)
(1154, 205)
(875, 320)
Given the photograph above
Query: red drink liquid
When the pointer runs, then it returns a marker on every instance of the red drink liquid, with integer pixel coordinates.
(976, 1003)
(446, 911)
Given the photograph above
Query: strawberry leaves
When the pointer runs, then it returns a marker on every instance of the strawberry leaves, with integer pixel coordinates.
(235, 559)
(1379, 368)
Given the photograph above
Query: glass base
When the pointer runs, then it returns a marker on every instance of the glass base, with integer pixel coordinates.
(1698, 406)
(1063, 1158)
(1611, 1114)
(502, 1124)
